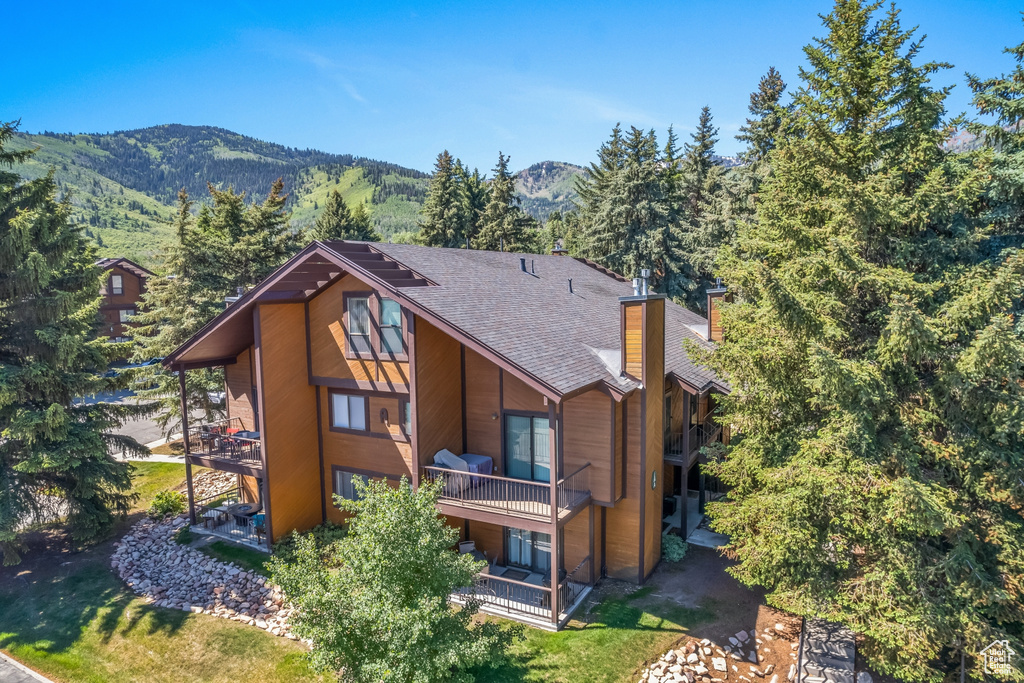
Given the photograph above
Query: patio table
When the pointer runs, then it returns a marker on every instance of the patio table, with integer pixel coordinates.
(478, 464)
(243, 511)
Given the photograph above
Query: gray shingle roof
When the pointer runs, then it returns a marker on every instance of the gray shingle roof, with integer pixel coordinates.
(568, 341)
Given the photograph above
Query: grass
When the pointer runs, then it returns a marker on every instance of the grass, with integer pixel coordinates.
(171, 448)
(623, 633)
(246, 558)
(150, 478)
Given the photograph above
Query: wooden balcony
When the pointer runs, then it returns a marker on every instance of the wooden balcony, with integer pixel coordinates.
(225, 445)
(465, 493)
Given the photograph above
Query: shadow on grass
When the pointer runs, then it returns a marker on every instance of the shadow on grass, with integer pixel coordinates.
(51, 607)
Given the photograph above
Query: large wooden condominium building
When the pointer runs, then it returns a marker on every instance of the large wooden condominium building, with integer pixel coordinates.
(555, 399)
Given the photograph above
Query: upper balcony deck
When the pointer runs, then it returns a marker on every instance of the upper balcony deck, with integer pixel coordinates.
(465, 494)
(226, 445)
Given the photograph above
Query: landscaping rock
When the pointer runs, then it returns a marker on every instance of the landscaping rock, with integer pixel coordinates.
(155, 566)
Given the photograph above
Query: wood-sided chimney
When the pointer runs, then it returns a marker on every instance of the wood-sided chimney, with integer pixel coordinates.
(716, 296)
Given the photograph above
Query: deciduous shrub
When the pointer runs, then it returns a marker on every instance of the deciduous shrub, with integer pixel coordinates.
(673, 548)
(167, 503)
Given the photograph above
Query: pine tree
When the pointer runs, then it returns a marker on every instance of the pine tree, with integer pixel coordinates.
(336, 222)
(444, 215)
(503, 224)
(707, 216)
(54, 449)
(877, 373)
(554, 231)
(476, 194)
(594, 241)
(761, 131)
(173, 309)
(676, 276)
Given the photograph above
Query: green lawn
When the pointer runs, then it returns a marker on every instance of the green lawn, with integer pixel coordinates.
(67, 615)
(621, 635)
(246, 558)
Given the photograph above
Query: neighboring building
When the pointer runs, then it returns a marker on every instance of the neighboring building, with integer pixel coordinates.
(578, 426)
(121, 291)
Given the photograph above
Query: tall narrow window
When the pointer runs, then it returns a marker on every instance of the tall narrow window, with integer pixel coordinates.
(116, 284)
(390, 326)
(125, 314)
(359, 324)
(406, 410)
(348, 412)
(344, 484)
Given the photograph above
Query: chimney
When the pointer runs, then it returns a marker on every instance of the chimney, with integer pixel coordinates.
(228, 300)
(559, 248)
(716, 296)
(643, 326)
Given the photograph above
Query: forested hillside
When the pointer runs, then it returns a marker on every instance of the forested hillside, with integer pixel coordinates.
(548, 186)
(124, 184)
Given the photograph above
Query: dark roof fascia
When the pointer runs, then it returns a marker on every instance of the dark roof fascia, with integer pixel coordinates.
(121, 259)
(244, 302)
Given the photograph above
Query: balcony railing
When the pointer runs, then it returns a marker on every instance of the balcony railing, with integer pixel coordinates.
(511, 496)
(221, 515)
(226, 439)
(520, 598)
(699, 435)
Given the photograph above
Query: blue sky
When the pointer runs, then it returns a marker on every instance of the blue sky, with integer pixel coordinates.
(402, 81)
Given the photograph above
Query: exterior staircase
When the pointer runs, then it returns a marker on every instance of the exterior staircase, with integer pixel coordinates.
(827, 653)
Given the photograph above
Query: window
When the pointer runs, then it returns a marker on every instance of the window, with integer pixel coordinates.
(348, 412)
(528, 549)
(527, 448)
(116, 284)
(344, 483)
(405, 407)
(126, 314)
(359, 324)
(391, 327)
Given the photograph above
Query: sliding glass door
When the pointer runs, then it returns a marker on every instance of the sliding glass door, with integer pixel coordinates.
(527, 448)
(529, 550)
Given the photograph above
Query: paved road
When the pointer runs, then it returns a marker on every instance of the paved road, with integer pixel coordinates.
(13, 672)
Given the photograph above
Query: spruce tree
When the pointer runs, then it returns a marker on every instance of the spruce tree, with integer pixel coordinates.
(761, 131)
(594, 241)
(336, 222)
(877, 373)
(707, 215)
(444, 213)
(173, 309)
(476, 194)
(503, 224)
(55, 450)
(675, 271)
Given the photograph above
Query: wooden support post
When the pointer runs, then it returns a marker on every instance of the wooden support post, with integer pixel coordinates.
(592, 580)
(556, 458)
(684, 503)
(184, 437)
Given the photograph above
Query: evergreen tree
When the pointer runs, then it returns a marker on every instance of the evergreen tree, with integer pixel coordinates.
(707, 209)
(476, 194)
(877, 374)
(761, 131)
(503, 224)
(675, 272)
(173, 309)
(592, 241)
(627, 207)
(336, 222)
(262, 240)
(444, 213)
(54, 449)
(554, 231)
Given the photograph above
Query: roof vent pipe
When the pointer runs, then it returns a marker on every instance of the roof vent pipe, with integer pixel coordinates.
(522, 265)
(645, 275)
(570, 285)
(636, 286)
(533, 270)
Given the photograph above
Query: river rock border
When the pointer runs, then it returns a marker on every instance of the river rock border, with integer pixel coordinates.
(171, 575)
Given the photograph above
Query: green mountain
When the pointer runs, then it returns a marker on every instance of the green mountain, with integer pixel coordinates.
(123, 185)
(548, 186)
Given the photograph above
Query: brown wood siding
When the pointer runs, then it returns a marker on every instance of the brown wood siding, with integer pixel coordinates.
(111, 304)
(622, 533)
(679, 397)
(239, 381)
(576, 541)
(518, 395)
(289, 416)
(439, 392)
(634, 339)
(489, 539)
(483, 403)
(654, 383)
(588, 438)
(327, 335)
(715, 318)
(620, 479)
(250, 488)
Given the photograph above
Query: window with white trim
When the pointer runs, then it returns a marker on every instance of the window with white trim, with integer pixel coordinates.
(116, 284)
(359, 323)
(348, 412)
(125, 314)
(344, 484)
